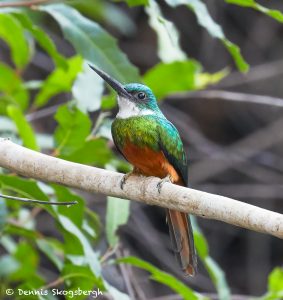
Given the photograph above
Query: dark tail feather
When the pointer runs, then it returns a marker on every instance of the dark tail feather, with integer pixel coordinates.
(181, 234)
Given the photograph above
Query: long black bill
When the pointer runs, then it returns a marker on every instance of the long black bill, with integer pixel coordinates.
(116, 85)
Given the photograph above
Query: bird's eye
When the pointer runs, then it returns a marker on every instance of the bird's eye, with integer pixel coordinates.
(141, 95)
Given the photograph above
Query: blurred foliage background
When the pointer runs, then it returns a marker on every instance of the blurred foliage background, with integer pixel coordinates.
(210, 63)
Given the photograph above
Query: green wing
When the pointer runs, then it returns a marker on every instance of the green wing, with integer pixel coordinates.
(171, 145)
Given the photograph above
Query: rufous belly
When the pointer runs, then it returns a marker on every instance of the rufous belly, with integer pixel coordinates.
(149, 162)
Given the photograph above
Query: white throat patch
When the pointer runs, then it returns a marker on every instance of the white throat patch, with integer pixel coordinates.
(129, 109)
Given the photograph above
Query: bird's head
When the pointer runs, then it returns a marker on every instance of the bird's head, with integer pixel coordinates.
(134, 99)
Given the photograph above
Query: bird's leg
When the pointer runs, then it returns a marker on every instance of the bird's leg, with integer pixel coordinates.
(126, 177)
(162, 181)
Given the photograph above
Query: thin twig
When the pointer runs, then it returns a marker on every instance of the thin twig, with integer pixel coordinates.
(23, 3)
(192, 134)
(37, 201)
(238, 152)
(126, 276)
(109, 252)
(230, 96)
(42, 113)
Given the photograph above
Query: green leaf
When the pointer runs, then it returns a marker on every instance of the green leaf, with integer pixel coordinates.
(94, 152)
(59, 81)
(206, 21)
(275, 280)
(24, 187)
(215, 272)
(115, 293)
(24, 129)
(92, 42)
(88, 90)
(12, 90)
(75, 212)
(74, 127)
(81, 278)
(8, 265)
(28, 259)
(273, 13)
(275, 285)
(162, 277)
(50, 248)
(90, 256)
(117, 214)
(169, 48)
(179, 76)
(12, 33)
(107, 13)
(132, 3)
(42, 39)
(3, 214)
(205, 79)
(218, 277)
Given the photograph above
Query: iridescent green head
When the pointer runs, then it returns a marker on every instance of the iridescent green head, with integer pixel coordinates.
(134, 99)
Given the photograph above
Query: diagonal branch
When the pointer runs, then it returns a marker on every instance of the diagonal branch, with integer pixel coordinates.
(43, 167)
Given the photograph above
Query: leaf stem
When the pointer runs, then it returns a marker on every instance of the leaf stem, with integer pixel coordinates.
(22, 3)
(37, 201)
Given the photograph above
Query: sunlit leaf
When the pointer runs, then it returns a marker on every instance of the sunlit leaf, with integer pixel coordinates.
(50, 248)
(12, 33)
(169, 48)
(115, 293)
(178, 76)
(88, 89)
(89, 254)
(273, 13)
(24, 128)
(59, 81)
(117, 214)
(206, 21)
(205, 79)
(92, 42)
(275, 280)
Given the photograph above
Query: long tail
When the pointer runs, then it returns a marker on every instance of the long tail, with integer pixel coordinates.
(181, 234)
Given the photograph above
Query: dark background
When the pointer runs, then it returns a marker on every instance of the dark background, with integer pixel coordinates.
(234, 148)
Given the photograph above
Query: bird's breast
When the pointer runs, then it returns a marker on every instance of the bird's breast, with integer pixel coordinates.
(149, 162)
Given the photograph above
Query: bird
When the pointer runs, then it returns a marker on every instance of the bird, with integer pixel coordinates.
(153, 146)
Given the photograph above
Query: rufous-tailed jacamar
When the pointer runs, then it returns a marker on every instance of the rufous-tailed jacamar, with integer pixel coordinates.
(153, 146)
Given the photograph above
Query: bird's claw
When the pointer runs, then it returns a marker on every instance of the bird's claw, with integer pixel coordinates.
(124, 179)
(162, 181)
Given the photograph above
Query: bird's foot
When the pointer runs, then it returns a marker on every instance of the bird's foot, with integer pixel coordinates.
(162, 181)
(124, 179)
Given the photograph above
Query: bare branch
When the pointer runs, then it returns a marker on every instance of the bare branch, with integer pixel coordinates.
(230, 96)
(23, 3)
(144, 189)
